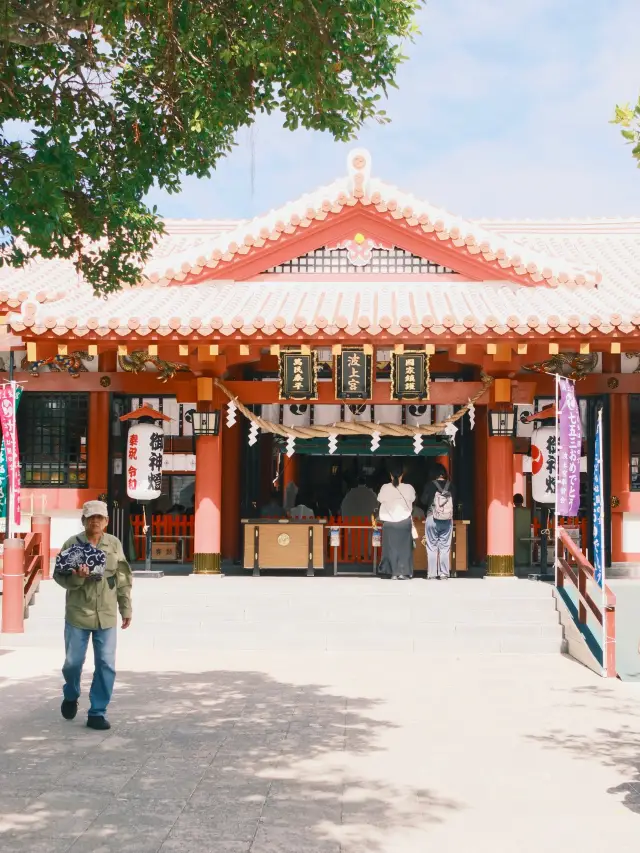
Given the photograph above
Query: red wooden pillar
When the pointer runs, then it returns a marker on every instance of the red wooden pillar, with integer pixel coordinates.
(231, 464)
(266, 468)
(620, 472)
(500, 561)
(98, 442)
(291, 471)
(42, 524)
(479, 526)
(208, 504)
(13, 587)
(444, 461)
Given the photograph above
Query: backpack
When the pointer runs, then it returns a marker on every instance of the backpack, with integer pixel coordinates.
(442, 502)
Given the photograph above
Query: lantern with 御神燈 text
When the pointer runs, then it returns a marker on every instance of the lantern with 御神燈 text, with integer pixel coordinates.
(145, 450)
(145, 446)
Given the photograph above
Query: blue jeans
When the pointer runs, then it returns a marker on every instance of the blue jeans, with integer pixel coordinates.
(76, 641)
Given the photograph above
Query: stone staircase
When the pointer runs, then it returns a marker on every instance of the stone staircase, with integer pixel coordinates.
(461, 616)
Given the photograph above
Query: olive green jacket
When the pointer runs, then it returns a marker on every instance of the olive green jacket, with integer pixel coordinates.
(93, 604)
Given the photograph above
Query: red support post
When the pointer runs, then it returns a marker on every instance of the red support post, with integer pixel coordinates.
(42, 524)
(13, 587)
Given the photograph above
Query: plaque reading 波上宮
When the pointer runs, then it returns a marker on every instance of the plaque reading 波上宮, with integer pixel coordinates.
(353, 375)
(298, 376)
(410, 376)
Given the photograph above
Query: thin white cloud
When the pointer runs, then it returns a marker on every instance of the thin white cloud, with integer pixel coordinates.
(502, 110)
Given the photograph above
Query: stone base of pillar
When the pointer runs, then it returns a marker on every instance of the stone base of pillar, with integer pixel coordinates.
(206, 564)
(500, 566)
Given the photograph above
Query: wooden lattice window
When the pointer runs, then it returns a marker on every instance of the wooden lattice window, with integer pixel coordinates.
(52, 436)
(336, 261)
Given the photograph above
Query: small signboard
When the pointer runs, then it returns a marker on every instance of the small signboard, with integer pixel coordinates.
(298, 375)
(166, 551)
(335, 537)
(410, 376)
(353, 374)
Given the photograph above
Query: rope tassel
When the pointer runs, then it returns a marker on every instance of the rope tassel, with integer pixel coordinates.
(332, 431)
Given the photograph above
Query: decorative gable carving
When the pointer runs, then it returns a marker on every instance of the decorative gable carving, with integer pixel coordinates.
(359, 256)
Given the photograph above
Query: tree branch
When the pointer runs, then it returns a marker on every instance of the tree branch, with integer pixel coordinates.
(53, 28)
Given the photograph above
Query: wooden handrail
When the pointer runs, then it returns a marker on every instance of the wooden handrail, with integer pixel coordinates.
(33, 565)
(579, 574)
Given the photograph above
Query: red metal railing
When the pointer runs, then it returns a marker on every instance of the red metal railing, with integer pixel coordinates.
(165, 528)
(573, 566)
(355, 539)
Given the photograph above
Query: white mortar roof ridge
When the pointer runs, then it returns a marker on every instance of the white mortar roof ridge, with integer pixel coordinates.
(289, 306)
(51, 293)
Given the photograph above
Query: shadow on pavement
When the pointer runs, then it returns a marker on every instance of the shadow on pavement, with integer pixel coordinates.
(219, 761)
(619, 748)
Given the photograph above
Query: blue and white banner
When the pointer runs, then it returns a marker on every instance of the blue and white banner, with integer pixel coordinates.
(598, 508)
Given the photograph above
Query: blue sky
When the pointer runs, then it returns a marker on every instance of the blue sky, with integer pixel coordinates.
(502, 111)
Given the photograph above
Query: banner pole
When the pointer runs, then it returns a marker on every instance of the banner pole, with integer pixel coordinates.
(603, 589)
(9, 500)
(555, 508)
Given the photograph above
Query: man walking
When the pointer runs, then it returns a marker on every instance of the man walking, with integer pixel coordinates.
(91, 612)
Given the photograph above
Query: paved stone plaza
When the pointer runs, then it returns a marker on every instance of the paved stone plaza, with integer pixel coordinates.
(268, 751)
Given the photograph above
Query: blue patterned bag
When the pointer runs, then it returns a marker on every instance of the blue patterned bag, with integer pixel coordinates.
(81, 554)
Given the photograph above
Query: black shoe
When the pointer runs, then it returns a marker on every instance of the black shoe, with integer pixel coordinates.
(69, 708)
(101, 724)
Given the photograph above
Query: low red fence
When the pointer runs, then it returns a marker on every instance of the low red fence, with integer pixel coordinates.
(165, 528)
(564, 521)
(574, 567)
(355, 539)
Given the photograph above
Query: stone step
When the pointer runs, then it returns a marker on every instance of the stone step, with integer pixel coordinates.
(460, 617)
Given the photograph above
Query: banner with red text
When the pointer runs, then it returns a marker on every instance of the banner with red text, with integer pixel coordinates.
(10, 436)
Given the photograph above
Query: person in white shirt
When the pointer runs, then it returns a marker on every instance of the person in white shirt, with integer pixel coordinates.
(396, 505)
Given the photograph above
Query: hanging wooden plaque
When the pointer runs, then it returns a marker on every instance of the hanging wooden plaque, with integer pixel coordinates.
(353, 374)
(298, 375)
(410, 375)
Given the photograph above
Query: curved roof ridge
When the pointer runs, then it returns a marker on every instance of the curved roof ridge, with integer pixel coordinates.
(357, 187)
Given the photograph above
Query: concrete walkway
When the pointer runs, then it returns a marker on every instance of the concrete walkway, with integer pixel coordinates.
(289, 752)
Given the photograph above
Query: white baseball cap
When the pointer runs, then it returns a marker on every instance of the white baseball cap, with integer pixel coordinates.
(95, 508)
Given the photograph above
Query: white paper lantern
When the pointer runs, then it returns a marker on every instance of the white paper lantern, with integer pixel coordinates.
(145, 446)
(543, 465)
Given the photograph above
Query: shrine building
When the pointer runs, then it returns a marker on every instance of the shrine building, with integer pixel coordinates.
(294, 353)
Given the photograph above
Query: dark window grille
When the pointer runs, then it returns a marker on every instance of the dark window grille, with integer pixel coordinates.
(52, 436)
(337, 261)
(634, 440)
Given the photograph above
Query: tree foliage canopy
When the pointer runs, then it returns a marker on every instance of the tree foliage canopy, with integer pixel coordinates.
(107, 97)
(628, 118)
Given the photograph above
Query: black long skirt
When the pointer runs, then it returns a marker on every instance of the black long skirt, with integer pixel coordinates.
(397, 548)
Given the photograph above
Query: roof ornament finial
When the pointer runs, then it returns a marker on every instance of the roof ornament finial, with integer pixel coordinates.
(359, 170)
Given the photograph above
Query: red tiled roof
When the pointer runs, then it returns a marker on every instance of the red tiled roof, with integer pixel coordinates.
(289, 307)
(358, 188)
(561, 253)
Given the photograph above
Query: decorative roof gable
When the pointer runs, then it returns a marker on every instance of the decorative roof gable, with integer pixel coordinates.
(360, 255)
(360, 203)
